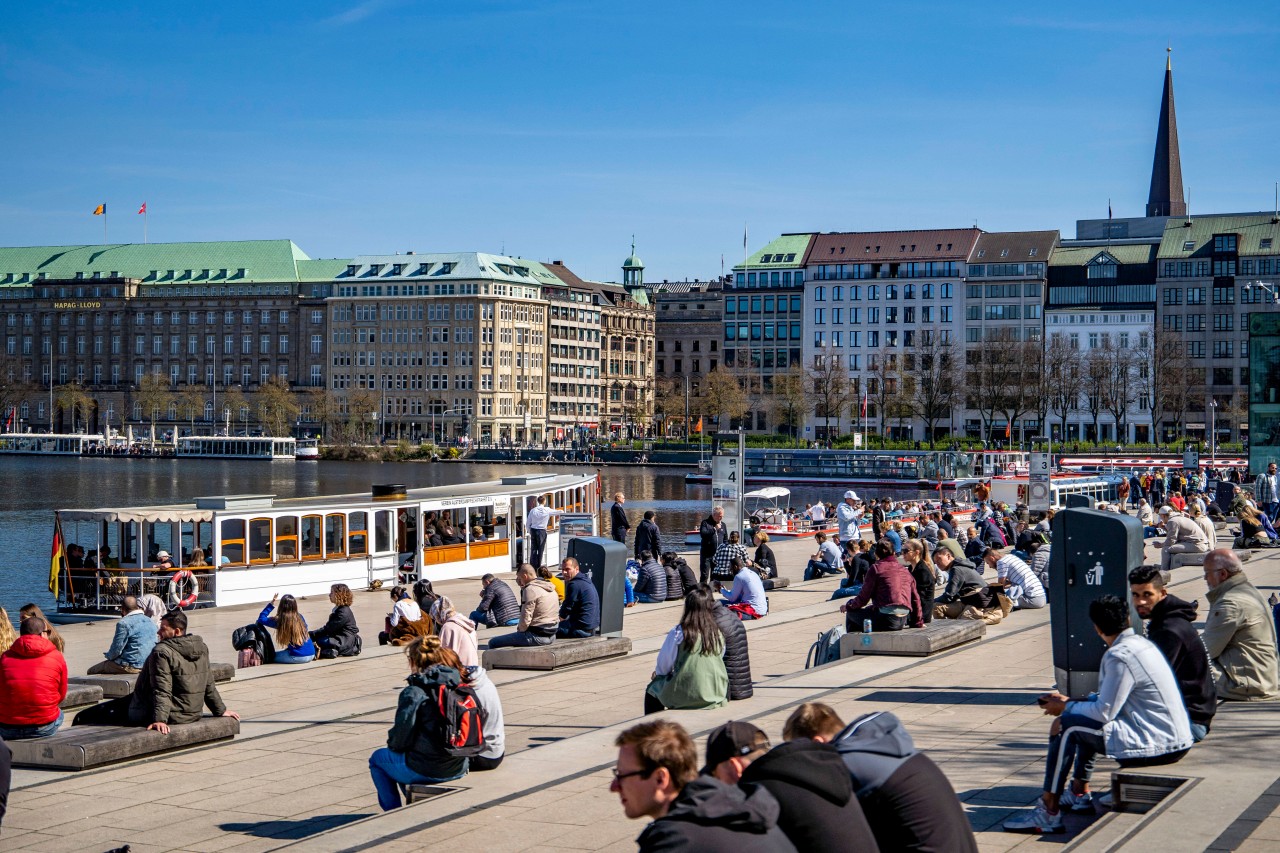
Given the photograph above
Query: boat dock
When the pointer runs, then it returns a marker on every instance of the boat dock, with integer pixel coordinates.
(296, 778)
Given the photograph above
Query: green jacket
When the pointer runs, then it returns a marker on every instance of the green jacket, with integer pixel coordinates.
(175, 684)
(1241, 638)
(696, 682)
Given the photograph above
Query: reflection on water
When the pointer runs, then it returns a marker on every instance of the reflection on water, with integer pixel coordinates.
(32, 487)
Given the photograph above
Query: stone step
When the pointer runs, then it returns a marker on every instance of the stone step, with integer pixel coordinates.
(115, 686)
(937, 636)
(557, 654)
(81, 747)
(80, 695)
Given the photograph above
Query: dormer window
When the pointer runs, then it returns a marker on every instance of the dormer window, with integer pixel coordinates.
(352, 269)
(1004, 253)
(1032, 253)
(423, 268)
(397, 269)
(375, 269)
(764, 259)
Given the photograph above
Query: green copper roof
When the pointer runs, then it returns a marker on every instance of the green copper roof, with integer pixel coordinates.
(1078, 256)
(321, 269)
(242, 261)
(1183, 241)
(632, 263)
(786, 251)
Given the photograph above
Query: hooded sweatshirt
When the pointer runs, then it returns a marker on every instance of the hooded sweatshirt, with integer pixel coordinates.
(818, 810)
(175, 684)
(539, 608)
(33, 680)
(906, 798)
(712, 817)
(459, 633)
(418, 731)
(1172, 631)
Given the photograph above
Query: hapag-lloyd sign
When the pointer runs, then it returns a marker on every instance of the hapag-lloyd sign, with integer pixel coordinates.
(77, 304)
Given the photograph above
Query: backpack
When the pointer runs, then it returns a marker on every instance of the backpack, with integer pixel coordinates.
(826, 649)
(460, 712)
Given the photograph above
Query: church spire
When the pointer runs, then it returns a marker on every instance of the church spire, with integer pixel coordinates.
(1166, 198)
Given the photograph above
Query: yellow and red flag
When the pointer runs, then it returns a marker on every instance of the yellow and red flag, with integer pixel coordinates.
(698, 426)
(59, 557)
(100, 210)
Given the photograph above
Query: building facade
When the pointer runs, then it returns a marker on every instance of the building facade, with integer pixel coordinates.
(688, 340)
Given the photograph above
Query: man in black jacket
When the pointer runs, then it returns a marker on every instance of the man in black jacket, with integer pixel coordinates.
(737, 657)
(714, 534)
(965, 585)
(656, 776)
(818, 811)
(498, 606)
(618, 519)
(1171, 629)
(580, 613)
(647, 535)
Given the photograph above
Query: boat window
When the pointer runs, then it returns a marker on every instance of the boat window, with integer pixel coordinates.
(311, 532)
(259, 540)
(233, 540)
(287, 538)
(358, 538)
(335, 534)
(160, 538)
(382, 531)
(126, 550)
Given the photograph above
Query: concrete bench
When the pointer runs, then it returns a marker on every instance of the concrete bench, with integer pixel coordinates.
(559, 653)
(937, 636)
(80, 695)
(115, 686)
(1178, 561)
(81, 747)
(776, 583)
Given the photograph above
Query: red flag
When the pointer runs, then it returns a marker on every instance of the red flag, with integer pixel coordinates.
(143, 209)
(1008, 430)
(8, 422)
(864, 406)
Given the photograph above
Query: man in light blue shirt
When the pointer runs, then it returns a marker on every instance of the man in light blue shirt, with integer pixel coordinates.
(134, 639)
(826, 561)
(746, 597)
(848, 514)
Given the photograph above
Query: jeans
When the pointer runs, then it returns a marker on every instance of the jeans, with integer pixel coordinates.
(577, 633)
(285, 657)
(1199, 731)
(646, 598)
(110, 667)
(518, 639)
(389, 770)
(1080, 741)
(846, 590)
(1272, 508)
(628, 591)
(816, 569)
(1148, 532)
(29, 732)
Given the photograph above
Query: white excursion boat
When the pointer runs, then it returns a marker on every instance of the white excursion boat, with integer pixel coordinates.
(308, 448)
(49, 443)
(254, 546)
(237, 447)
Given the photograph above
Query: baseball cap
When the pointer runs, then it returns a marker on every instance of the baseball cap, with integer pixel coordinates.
(163, 555)
(1166, 510)
(734, 738)
(952, 546)
(851, 494)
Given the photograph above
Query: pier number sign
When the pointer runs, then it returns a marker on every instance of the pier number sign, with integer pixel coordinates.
(1038, 492)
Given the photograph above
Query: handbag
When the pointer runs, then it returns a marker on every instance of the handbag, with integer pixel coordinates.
(248, 657)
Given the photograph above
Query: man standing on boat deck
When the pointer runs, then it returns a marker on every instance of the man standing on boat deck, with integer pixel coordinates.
(618, 519)
(536, 523)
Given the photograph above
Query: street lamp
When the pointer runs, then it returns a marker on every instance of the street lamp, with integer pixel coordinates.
(1266, 287)
(685, 377)
(1213, 432)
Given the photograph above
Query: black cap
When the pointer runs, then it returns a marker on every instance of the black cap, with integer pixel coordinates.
(734, 738)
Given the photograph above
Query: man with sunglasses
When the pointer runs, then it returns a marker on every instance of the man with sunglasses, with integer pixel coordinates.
(657, 776)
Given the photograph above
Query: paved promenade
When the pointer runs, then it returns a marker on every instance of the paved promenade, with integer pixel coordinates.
(296, 778)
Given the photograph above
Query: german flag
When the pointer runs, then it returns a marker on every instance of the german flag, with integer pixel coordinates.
(58, 559)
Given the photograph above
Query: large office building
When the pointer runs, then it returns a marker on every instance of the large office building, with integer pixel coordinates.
(689, 338)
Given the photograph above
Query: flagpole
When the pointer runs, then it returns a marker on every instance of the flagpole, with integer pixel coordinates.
(144, 224)
(105, 241)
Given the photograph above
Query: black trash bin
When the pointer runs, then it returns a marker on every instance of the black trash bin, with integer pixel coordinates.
(1093, 552)
(604, 562)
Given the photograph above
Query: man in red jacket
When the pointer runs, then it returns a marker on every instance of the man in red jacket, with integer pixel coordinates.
(33, 682)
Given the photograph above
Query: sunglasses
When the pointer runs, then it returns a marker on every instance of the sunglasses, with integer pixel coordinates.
(618, 777)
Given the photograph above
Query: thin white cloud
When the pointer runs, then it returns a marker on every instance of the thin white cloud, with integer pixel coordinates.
(357, 13)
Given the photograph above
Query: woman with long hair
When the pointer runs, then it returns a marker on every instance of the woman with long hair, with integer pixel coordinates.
(456, 632)
(29, 610)
(916, 556)
(7, 634)
(690, 673)
(406, 619)
(415, 752)
(340, 636)
(292, 638)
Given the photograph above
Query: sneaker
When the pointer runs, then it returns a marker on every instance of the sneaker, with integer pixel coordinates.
(1036, 820)
(1105, 801)
(1078, 803)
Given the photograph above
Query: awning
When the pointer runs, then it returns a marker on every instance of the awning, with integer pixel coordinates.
(160, 514)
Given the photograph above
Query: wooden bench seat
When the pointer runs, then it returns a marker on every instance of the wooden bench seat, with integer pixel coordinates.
(938, 635)
(559, 653)
(115, 686)
(81, 747)
(81, 695)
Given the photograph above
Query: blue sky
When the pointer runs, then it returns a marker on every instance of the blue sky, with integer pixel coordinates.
(555, 130)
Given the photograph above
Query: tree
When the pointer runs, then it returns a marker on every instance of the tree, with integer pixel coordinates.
(1095, 385)
(1118, 392)
(1167, 379)
(668, 403)
(1062, 365)
(933, 388)
(830, 383)
(721, 395)
(191, 403)
(1021, 362)
(235, 404)
(882, 384)
(154, 395)
(277, 406)
(75, 399)
(362, 405)
(790, 401)
(324, 409)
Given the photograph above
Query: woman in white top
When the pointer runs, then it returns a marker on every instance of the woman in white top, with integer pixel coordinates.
(405, 621)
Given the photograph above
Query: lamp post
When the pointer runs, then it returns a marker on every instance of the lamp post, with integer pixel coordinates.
(1266, 287)
(685, 376)
(1213, 432)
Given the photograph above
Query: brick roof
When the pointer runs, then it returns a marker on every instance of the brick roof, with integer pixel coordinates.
(1013, 247)
(856, 247)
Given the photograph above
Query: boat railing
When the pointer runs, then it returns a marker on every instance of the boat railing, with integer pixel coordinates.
(104, 590)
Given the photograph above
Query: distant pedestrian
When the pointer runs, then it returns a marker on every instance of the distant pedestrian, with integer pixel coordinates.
(618, 519)
(713, 534)
(647, 535)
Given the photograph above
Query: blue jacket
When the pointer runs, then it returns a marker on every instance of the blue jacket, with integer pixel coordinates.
(306, 650)
(134, 639)
(581, 608)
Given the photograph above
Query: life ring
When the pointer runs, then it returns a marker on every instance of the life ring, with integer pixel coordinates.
(175, 588)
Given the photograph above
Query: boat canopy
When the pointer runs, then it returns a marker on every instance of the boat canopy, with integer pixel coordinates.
(768, 493)
(142, 513)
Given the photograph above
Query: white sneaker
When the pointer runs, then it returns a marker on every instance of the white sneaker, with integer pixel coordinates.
(1036, 820)
(1078, 803)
